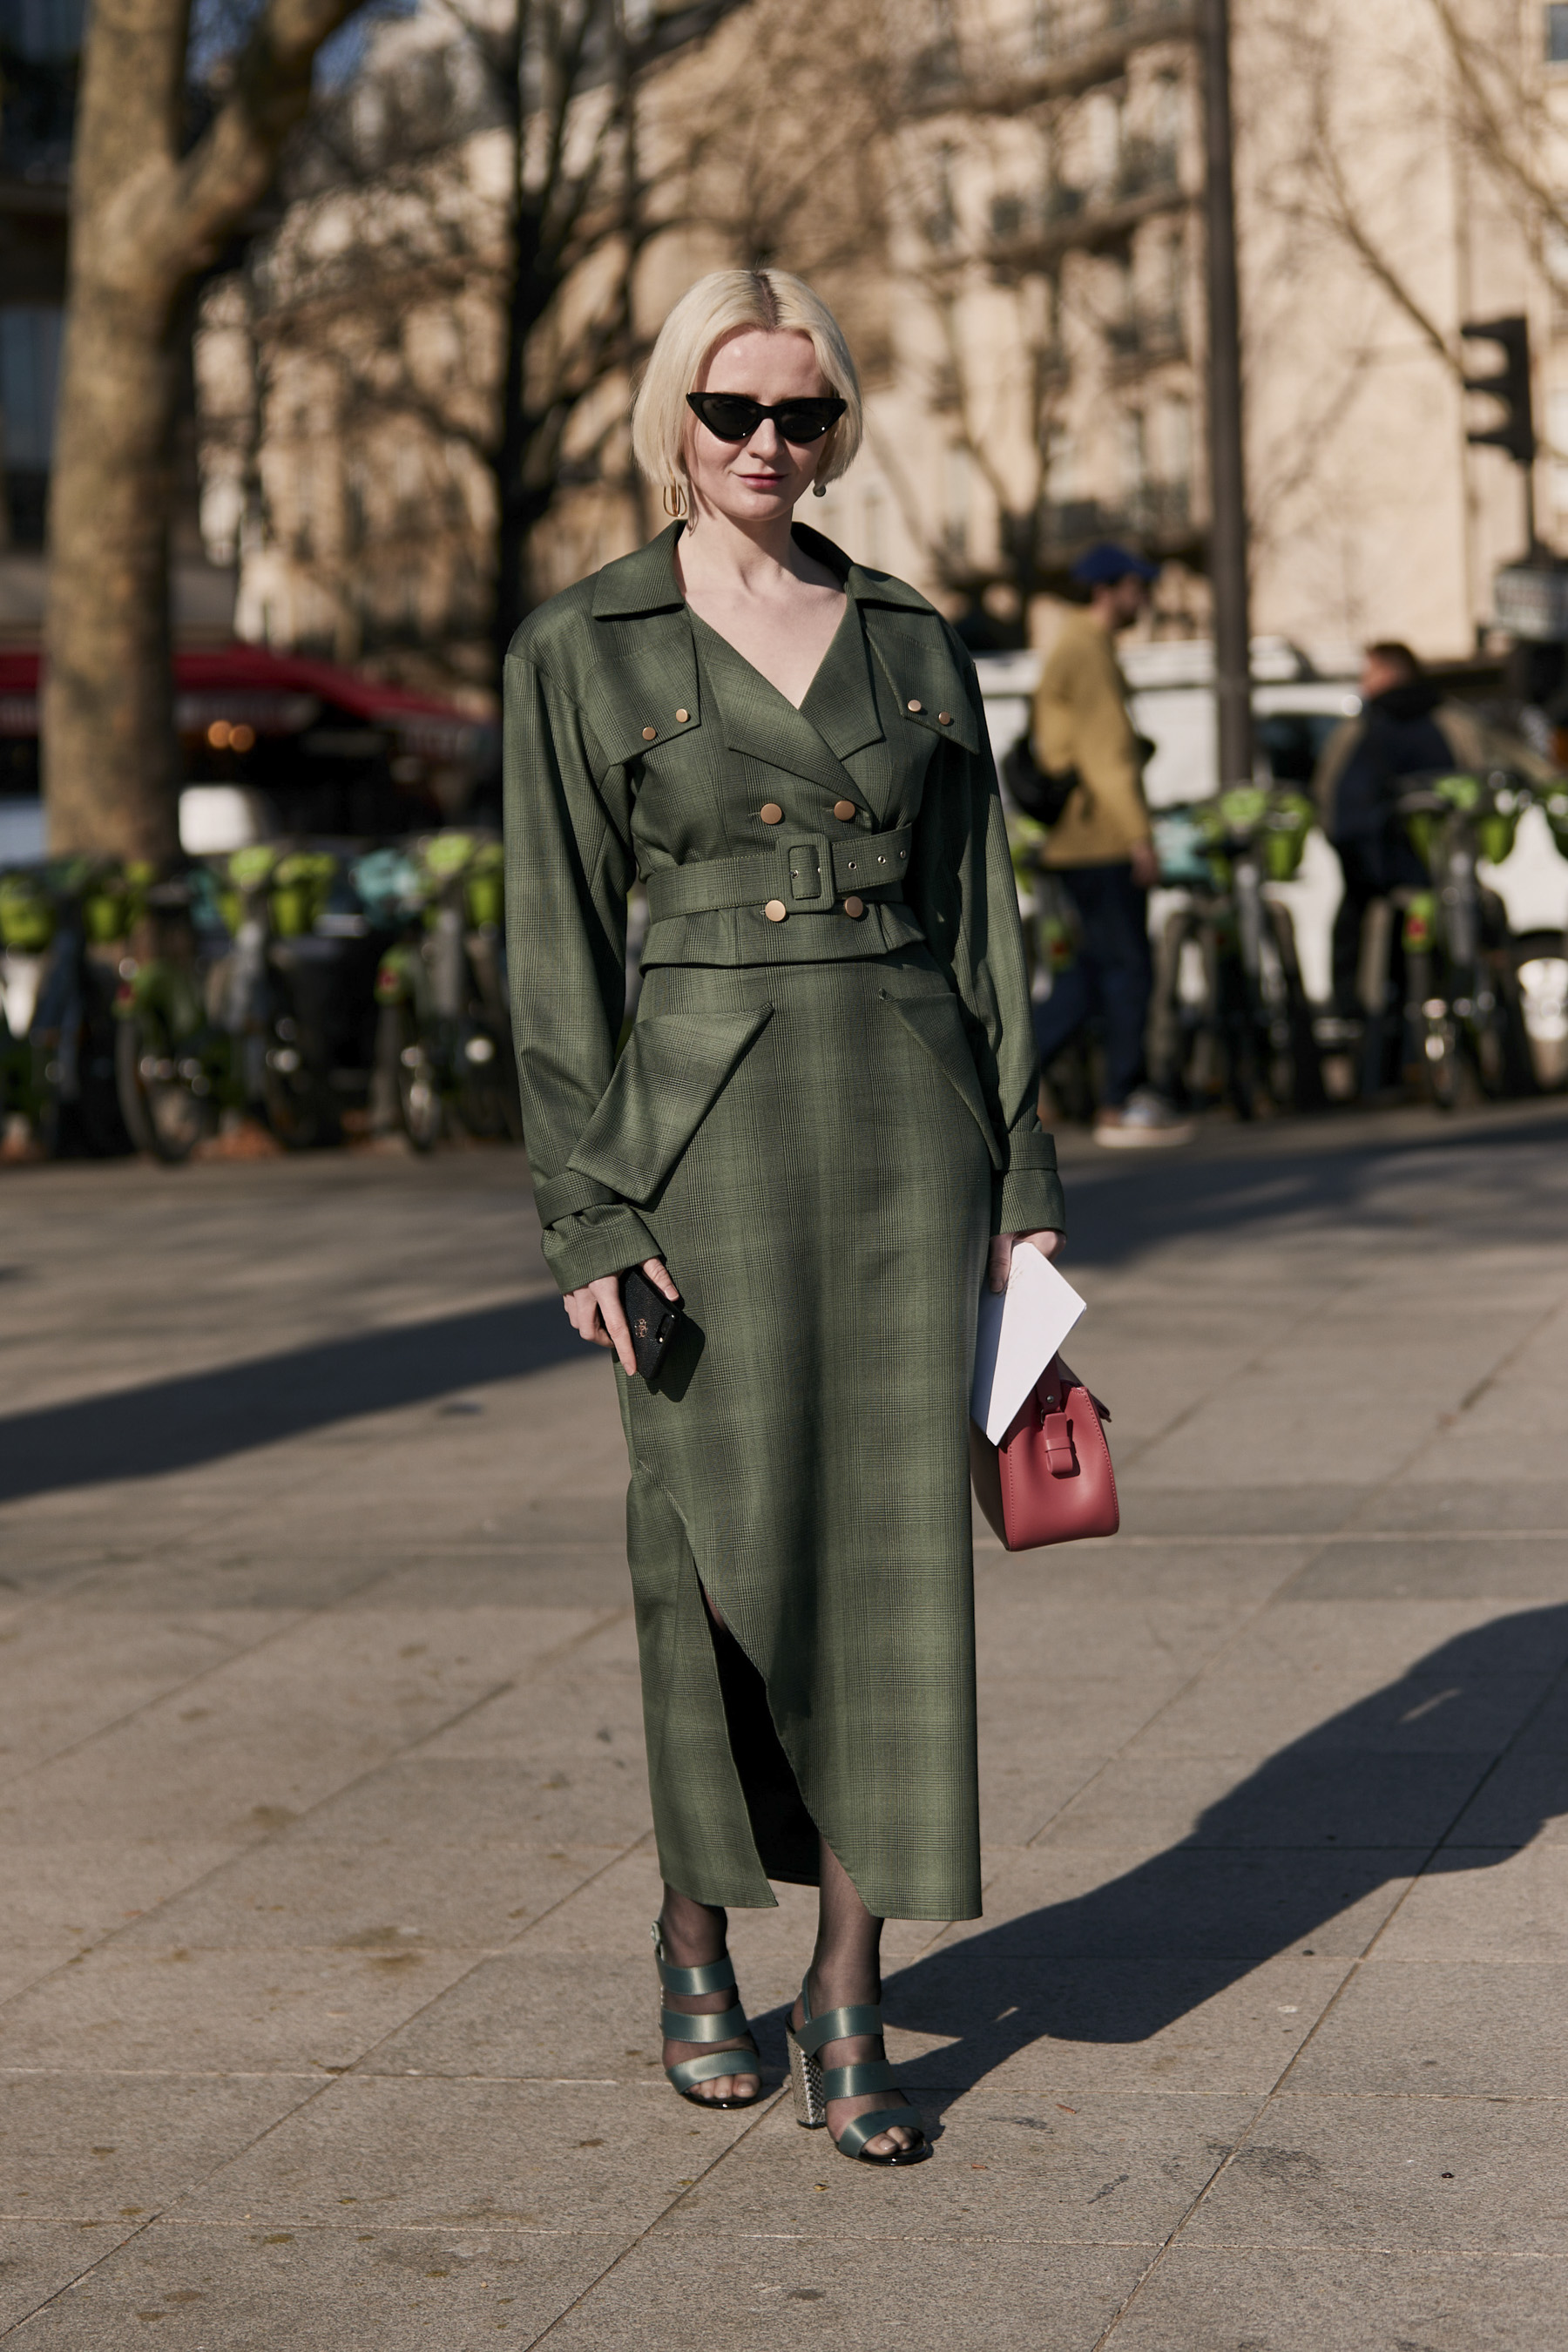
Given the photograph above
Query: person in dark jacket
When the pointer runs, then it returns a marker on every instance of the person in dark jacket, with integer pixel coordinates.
(1405, 730)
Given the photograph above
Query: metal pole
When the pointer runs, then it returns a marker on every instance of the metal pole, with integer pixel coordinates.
(1227, 473)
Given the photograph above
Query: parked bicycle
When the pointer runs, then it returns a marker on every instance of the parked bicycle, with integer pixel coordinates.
(59, 927)
(1461, 1016)
(1541, 969)
(444, 1045)
(1230, 1021)
(259, 1001)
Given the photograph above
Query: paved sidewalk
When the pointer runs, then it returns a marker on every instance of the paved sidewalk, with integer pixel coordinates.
(326, 2006)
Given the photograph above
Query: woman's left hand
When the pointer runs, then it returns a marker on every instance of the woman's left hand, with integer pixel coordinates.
(1004, 1245)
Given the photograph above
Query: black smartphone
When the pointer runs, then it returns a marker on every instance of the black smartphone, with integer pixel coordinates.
(654, 1320)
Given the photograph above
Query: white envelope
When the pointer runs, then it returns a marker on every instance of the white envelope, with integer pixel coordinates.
(1018, 1335)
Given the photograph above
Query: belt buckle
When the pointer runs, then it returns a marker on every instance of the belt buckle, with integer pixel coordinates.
(801, 853)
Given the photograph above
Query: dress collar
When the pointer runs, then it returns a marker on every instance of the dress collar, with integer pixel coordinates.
(645, 581)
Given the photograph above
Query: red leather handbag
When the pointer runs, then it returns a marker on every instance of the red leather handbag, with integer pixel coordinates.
(1050, 1480)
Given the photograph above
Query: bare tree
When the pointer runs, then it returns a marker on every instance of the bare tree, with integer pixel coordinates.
(148, 215)
(385, 329)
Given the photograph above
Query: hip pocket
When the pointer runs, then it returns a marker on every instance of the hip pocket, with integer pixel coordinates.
(674, 1068)
(938, 1024)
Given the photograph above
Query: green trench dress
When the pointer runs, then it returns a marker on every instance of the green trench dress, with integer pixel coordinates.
(817, 1122)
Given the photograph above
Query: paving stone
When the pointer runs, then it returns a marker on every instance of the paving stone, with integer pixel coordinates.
(378, 2151)
(1101, 2169)
(1523, 1799)
(224, 2012)
(115, 2147)
(1335, 2300)
(1460, 2175)
(411, 1860)
(1332, 1797)
(1433, 2029)
(1056, 1903)
(1440, 1568)
(1484, 1903)
(1061, 2027)
(261, 2290)
(761, 2290)
(38, 2259)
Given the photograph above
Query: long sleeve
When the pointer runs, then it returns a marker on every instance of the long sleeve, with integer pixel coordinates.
(964, 891)
(569, 864)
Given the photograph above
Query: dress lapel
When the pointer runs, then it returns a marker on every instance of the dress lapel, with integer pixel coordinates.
(758, 722)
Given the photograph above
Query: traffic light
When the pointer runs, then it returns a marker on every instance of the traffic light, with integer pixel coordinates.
(1510, 387)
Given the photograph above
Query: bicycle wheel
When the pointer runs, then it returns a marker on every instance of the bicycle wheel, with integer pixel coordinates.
(1181, 1007)
(298, 1107)
(1541, 988)
(165, 1096)
(418, 1095)
(1436, 1032)
(1298, 1075)
(478, 1093)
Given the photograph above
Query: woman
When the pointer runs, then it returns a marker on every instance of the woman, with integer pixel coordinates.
(823, 1114)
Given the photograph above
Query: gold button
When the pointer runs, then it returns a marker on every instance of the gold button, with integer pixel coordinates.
(771, 813)
(914, 706)
(843, 811)
(854, 908)
(681, 717)
(648, 733)
(943, 717)
(775, 910)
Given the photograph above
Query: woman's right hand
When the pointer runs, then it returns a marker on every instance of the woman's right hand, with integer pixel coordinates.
(596, 1313)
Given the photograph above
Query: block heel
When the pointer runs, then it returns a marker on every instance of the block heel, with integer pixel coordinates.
(806, 2081)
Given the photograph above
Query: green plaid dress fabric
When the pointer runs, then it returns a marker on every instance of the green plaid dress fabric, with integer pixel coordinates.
(818, 1120)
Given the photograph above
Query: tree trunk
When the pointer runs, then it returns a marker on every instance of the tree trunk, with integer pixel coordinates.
(145, 220)
(107, 707)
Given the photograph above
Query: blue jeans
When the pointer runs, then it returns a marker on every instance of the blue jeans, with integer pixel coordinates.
(1113, 976)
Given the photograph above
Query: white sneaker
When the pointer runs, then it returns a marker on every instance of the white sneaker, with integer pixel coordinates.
(1146, 1118)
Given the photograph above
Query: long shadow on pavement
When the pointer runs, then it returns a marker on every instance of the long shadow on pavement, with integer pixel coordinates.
(202, 1416)
(1369, 1797)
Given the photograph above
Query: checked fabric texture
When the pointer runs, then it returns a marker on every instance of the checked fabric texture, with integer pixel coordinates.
(824, 1110)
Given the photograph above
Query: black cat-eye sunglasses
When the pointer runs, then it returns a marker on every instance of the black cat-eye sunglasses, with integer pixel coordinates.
(735, 416)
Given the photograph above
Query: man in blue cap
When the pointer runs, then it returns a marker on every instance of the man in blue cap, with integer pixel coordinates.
(1102, 847)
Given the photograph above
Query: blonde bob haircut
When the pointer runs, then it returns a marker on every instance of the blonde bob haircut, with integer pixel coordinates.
(726, 302)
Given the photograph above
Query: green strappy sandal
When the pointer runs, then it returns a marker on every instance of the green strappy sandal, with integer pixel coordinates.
(814, 2084)
(723, 2025)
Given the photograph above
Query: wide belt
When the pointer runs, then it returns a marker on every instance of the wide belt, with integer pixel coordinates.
(804, 872)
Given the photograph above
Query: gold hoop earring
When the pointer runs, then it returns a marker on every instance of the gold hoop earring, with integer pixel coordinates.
(673, 497)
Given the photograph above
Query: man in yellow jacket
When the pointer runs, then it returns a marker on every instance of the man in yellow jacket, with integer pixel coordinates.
(1102, 847)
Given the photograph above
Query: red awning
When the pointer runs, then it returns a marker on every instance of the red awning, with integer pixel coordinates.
(278, 694)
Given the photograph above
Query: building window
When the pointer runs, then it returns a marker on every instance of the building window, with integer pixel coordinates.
(29, 377)
(1557, 33)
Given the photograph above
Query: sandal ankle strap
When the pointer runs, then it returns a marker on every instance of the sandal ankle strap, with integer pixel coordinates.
(713, 1976)
(837, 2025)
